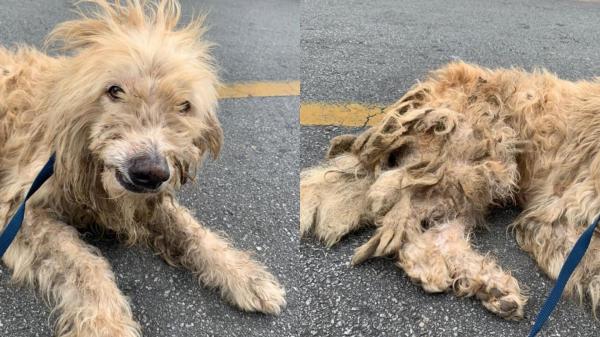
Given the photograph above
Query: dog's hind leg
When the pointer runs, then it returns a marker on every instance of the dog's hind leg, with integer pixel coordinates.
(244, 282)
(441, 259)
(72, 276)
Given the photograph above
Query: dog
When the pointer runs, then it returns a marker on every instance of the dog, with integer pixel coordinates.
(129, 109)
(462, 141)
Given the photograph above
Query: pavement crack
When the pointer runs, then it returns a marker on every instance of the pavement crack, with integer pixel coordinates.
(368, 119)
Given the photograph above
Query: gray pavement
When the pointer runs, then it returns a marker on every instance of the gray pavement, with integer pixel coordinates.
(371, 52)
(250, 193)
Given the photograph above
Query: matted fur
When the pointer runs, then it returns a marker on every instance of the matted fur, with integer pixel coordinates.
(461, 141)
(60, 104)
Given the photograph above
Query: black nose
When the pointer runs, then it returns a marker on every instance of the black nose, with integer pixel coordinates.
(148, 171)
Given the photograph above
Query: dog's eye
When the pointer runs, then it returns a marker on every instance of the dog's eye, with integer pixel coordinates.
(184, 107)
(115, 92)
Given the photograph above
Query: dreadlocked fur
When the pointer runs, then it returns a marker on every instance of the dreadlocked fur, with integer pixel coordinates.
(466, 139)
(164, 105)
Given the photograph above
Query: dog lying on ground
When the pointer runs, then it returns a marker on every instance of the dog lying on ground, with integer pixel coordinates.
(130, 114)
(465, 139)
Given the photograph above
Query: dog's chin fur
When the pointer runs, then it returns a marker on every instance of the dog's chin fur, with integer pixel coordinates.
(64, 105)
(464, 140)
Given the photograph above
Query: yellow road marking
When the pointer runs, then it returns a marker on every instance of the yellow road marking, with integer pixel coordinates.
(344, 114)
(311, 113)
(260, 89)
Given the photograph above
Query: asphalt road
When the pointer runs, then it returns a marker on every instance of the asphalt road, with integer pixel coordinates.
(250, 193)
(371, 52)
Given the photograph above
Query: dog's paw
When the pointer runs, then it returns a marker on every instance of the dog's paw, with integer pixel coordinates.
(389, 238)
(501, 295)
(258, 291)
(386, 241)
(506, 305)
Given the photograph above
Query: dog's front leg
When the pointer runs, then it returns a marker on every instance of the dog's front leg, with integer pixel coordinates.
(246, 283)
(72, 276)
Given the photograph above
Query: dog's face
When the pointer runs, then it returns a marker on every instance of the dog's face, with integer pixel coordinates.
(152, 99)
(154, 122)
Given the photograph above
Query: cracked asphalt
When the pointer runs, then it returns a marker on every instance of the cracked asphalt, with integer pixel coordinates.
(371, 53)
(250, 193)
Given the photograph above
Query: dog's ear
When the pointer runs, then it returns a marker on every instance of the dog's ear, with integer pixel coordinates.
(211, 138)
(77, 34)
(119, 17)
(101, 18)
(340, 145)
(214, 136)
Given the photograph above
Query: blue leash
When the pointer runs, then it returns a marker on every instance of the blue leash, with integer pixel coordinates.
(12, 228)
(567, 269)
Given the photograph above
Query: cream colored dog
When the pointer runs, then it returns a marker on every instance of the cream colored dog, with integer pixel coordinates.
(130, 113)
(461, 141)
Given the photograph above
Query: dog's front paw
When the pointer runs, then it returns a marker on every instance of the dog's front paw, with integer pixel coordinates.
(389, 238)
(506, 302)
(258, 291)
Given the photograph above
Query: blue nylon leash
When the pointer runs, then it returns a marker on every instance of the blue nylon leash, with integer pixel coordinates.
(567, 269)
(12, 228)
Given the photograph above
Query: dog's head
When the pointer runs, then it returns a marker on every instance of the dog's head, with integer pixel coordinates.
(139, 93)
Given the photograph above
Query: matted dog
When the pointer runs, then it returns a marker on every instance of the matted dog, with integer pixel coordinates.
(130, 114)
(465, 139)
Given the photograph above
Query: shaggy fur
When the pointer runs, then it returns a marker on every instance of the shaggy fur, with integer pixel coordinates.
(466, 139)
(166, 106)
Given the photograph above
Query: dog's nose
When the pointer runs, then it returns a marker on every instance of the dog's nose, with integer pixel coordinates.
(148, 171)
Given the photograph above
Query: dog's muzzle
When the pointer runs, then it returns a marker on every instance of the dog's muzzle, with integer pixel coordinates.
(145, 174)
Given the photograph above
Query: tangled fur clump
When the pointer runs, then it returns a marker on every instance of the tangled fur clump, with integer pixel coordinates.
(466, 139)
(130, 112)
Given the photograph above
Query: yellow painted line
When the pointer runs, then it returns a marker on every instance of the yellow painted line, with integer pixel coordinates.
(260, 89)
(344, 114)
(311, 113)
